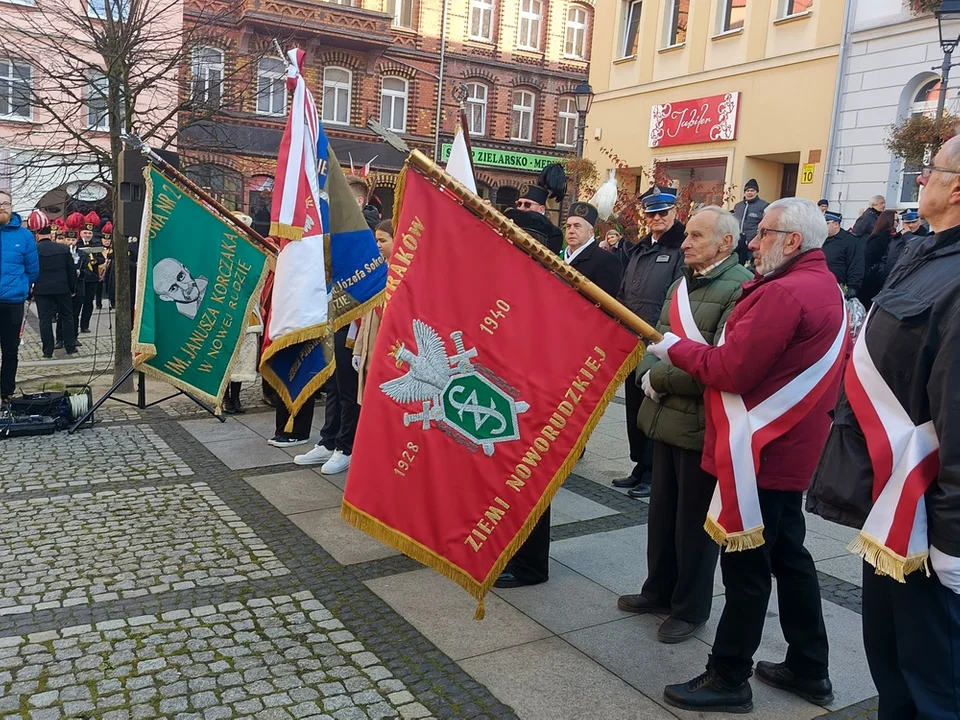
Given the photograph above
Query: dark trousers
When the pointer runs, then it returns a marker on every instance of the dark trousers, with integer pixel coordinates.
(681, 557)
(302, 421)
(89, 295)
(77, 302)
(746, 578)
(531, 564)
(342, 408)
(640, 450)
(11, 319)
(99, 294)
(50, 307)
(911, 632)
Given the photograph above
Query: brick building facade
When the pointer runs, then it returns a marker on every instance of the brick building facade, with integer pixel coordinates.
(517, 62)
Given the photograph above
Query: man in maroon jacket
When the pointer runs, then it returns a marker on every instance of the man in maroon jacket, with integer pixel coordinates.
(774, 378)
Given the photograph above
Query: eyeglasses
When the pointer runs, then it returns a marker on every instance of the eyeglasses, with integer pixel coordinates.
(658, 213)
(928, 170)
(762, 232)
(524, 204)
(5, 206)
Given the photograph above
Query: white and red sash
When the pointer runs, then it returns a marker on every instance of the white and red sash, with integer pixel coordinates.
(905, 459)
(734, 519)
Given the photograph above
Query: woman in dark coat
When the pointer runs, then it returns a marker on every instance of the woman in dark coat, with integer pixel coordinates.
(874, 251)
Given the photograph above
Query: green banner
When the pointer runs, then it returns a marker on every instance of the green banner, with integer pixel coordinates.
(504, 159)
(198, 281)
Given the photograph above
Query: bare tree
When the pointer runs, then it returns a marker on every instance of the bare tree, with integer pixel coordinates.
(101, 68)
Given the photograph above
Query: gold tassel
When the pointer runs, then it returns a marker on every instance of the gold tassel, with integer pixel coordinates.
(734, 542)
(287, 232)
(885, 561)
(398, 195)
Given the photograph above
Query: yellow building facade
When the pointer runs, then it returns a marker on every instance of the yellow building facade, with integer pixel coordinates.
(717, 92)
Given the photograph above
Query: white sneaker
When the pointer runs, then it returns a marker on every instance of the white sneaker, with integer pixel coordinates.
(318, 455)
(338, 463)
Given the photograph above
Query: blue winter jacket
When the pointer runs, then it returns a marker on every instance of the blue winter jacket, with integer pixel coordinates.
(19, 265)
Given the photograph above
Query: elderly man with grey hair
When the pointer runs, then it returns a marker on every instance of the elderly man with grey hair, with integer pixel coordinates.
(771, 382)
(866, 222)
(681, 557)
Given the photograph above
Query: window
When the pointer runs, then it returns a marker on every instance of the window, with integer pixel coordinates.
(477, 108)
(207, 75)
(222, 183)
(393, 103)
(271, 87)
(567, 120)
(576, 42)
(481, 20)
(98, 94)
(677, 13)
(16, 81)
(631, 27)
(795, 7)
(924, 103)
(102, 9)
(521, 118)
(336, 95)
(732, 15)
(531, 15)
(402, 11)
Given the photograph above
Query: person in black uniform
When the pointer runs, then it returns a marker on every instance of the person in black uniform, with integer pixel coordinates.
(844, 253)
(53, 291)
(531, 564)
(913, 230)
(530, 214)
(89, 269)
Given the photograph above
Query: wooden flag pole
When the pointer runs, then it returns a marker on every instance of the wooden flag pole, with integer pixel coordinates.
(503, 225)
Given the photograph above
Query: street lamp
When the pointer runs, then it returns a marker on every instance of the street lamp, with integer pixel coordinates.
(583, 96)
(948, 23)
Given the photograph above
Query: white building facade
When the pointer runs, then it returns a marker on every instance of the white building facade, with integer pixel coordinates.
(887, 74)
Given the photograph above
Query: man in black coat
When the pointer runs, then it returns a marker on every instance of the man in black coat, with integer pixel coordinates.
(530, 215)
(655, 264)
(54, 290)
(531, 564)
(844, 254)
(866, 222)
(913, 230)
(749, 212)
(904, 384)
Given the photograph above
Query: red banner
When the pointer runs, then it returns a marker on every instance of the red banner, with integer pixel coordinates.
(489, 373)
(702, 120)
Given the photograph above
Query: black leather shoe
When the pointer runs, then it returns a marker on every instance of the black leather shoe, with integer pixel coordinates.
(628, 482)
(642, 490)
(640, 605)
(58, 346)
(708, 693)
(509, 580)
(674, 630)
(778, 675)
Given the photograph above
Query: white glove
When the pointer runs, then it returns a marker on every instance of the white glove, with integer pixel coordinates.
(356, 363)
(948, 569)
(648, 388)
(662, 348)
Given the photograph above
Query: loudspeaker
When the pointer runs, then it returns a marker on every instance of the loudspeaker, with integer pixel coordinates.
(133, 190)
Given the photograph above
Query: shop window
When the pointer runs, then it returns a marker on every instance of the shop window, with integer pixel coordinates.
(531, 19)
(481, 20)
(393, 104)
(924, 103)
(98, 91)
(507, 197)
(575, 45)
(224, 184)
(678, 11)
(207, 76)
(733, 13)
(271, 87)
(567, 120)
(794, 7)
(631, 27)
(402, 11)
(704, 177)
(477, 108)
(337, 91)
(521, 116)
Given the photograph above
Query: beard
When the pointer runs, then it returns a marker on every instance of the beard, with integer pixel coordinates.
(772, 260)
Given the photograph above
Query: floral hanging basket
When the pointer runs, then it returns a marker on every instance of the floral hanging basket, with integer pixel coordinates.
(922, 7)
(912, 138)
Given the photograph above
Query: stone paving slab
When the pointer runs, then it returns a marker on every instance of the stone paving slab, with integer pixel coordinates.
(88, 548)
(344, 542)
(90, 457)
(245, 453)
(269, 657)
(578, 508)
(297, 491)
(847, 567)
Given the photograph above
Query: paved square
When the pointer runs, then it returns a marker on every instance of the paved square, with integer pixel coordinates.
(283, 657)
(90, 457)
(77, 549)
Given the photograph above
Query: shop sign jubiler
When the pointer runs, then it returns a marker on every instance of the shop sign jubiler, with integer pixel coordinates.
(701, 120)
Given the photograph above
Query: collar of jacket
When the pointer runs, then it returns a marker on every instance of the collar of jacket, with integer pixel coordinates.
(585, 252)
(940, 241)
(801, 261)
(671, 239)
(695, 280)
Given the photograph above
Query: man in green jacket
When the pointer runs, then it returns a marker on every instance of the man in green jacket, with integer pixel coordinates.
(681, 557)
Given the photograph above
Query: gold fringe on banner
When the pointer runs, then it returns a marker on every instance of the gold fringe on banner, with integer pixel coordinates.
(287, 232)
(733, 542)
(885, 561)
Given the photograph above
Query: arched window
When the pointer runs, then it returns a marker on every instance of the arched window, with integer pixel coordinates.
(207, 75)
(271, 87)
(567, 118)
(924, 103)
(393, 104)
(337, 94)
(222, 183)
(575, 45)
(521, 116)
(477, 108)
